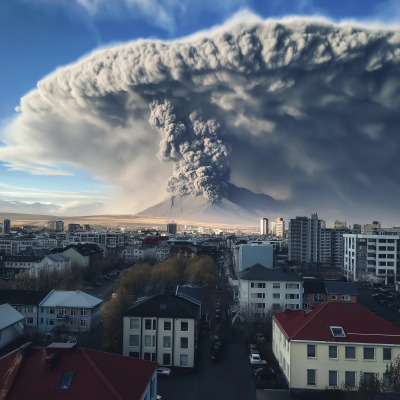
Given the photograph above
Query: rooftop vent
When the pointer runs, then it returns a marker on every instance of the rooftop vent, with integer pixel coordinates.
(65, 349)
(337, 331)
(51, 361)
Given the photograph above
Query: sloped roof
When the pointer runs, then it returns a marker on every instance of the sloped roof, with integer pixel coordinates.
(311, 285)
(359, 324)
(97, 375)
(58, 257)
(23, 297)
(62, 298)
(172, 307)
(335, 287)
(192, 292)
(84, 249)
(260, 273)
(9, 316)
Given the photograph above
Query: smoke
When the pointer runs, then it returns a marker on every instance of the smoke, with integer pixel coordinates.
(201, 165)
(300, 109)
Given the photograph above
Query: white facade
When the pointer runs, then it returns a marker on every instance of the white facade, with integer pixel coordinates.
(34, 264)
(372, 254)
(109, 239)
(263, 226)
(278, 227)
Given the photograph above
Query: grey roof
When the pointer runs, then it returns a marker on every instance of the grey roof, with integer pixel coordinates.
(190, 292)
(149, 290)
(63, 298)
(259, 273)
(312, 285)
(9, 316)
(172, 307)
(57, 257)
(335, 287)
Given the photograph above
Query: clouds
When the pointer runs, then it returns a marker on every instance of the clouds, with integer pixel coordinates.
(301, 109)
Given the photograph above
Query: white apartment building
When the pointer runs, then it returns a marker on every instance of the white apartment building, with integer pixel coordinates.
(263, 226)
(247, 255)
(261, 289)
(323, 346)
(109, 239)
(370, 227)
(278, 227)
(372, 255)
(12, 246)
(34, 264)
(163, 328)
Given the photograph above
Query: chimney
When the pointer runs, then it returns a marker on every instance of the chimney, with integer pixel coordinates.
(51, 362)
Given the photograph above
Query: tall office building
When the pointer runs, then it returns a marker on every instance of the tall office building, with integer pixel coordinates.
(278, 227)
(6, 226)
(59, 226)
(264, 226)
(172, 228)
(339, 225)
(305, 239)
(370, 227)
(73, 227)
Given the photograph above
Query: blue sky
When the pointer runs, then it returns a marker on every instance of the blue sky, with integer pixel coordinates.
(37, 36)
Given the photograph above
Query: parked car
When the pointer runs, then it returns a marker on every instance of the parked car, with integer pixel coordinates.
(89, 288)
(216, 354)
(165, 372)
(265, 373)
(253, 348)
(255, 360)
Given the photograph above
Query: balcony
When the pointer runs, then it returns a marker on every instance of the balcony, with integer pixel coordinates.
(61, 316)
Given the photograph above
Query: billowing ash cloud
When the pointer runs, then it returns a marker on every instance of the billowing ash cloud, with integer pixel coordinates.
(201, 165)
(307, 109)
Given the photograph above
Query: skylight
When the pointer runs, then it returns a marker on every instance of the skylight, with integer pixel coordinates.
(307, 311)
(66, 380)
(337, 331)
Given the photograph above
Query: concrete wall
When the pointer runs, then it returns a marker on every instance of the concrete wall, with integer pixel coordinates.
(250, 255)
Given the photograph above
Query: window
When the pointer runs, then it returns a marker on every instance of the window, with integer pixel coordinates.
(292, 296)
(29, 321)
(50, 322)
(292, 286)
(83, 312)
(83, 323)
(276, 296)
(244, 293)
(154, 324)
(345, 297)
(310, 350)
(369, 353)
(184, 326)
(73, 311)
(50, 311)
(147, 356)
(29, 309)
(167, 342)
(276, 285)
(311, 377)
(133, 340)
(390, 248)
(134, 323)
(147, 341)
(184, 343)
(167, 325)
(350, 353)
(337, 331)
(387, 354)
(134, 354)
(72, 322)
(66, 380)
(183, 360)
(166, 359)
(382, 256)
(41, 320)
(350, 378)
(63, 311)
(147, 324)
(333, 378)
(332, 351)
(333, 297)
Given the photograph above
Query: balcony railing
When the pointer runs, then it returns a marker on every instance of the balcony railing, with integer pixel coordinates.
(61, 316)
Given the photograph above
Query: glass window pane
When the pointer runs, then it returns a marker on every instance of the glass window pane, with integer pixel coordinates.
(184, 343)
(332, 351)
(167, 325)
(387, 354)
(134, 340)
(310, 350)
(350, 378)
(147, 324)
(147, 341)
(166, 359)
(311, 377)
(184, 326)
(368, 376)
(134, 323)
(183, 360)
(66, 380)
(167, 342)
(351, 353)
(369, 353)
(332, 378)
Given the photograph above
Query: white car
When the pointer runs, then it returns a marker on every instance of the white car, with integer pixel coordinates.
(255, 360)
(162, 371)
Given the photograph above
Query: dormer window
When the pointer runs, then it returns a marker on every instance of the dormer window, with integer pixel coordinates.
(337, 331)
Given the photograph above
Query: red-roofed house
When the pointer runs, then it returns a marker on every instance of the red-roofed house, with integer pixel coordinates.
(64, 371)
(322, 346)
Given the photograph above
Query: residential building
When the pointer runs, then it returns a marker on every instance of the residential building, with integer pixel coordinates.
(317, 291)
(26, 302)
(331, 247)
(84, 255)
(73, 227)
(372, 255)
(12, 246)
(163, 328)
(172, 229)
(163, 253)
(370, 227)
(339, 224)
(305, 239)
(261, 289)
(249, 254)
(11, 325)
(7, 226)
(323, 346)
(108, 239)
(65, 371)
(263, 226)
(71, 310)
(183, 252)
(154, 240)
(128, 254)
(278, 227)
(59, 226)
(356, 228)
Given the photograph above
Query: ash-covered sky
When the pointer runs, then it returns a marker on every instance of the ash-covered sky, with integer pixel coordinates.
(302, 109)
